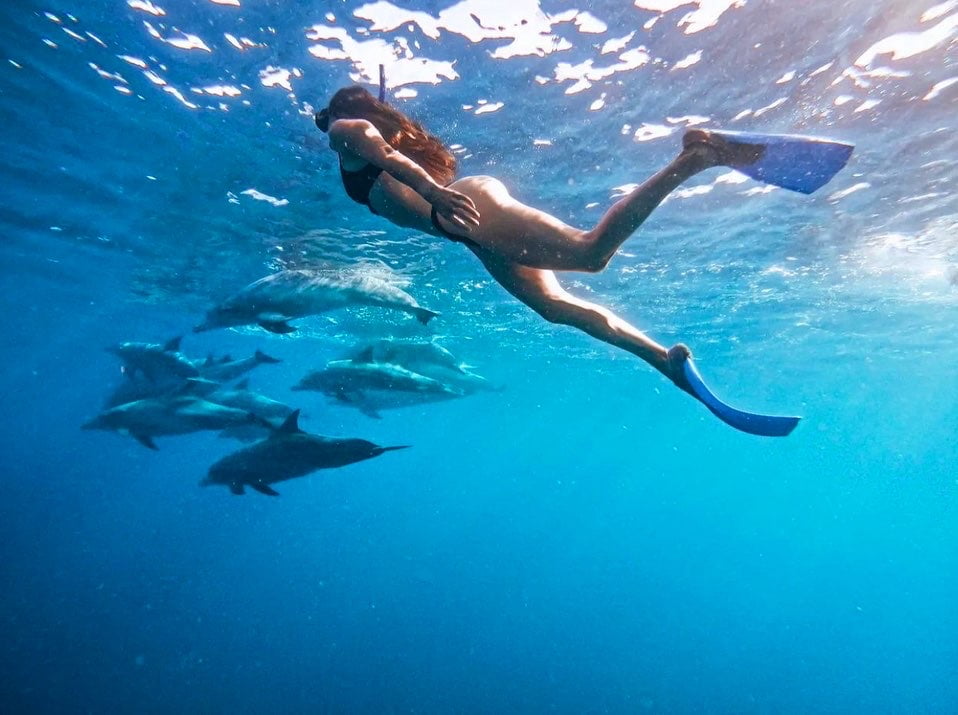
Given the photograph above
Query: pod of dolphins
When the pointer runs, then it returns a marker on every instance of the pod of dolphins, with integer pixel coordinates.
(165, 393)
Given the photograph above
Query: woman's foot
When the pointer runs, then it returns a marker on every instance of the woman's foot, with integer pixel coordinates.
(676, 358)
(716, 150)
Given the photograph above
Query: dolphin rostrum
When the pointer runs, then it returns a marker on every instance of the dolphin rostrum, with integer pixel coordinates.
(273, 301)
(287, 453)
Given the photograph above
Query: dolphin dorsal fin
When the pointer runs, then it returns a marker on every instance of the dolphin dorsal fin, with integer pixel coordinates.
(209, 360)
(290, 424)
(243, 384)
(173, 345)
(226, 358)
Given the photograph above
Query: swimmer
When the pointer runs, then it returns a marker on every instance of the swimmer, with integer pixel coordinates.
(394, 166)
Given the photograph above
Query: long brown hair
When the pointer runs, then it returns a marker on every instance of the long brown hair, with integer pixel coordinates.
(400, 132)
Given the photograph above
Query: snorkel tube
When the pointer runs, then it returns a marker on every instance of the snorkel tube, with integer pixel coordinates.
(322, 116)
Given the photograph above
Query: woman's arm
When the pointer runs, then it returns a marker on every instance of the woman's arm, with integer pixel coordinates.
(361, 138)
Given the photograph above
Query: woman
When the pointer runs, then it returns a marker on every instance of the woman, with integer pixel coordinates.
(390, 163)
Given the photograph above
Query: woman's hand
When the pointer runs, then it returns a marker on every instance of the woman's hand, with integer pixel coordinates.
(456, 208)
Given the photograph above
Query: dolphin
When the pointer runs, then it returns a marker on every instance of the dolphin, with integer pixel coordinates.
(242, 398)
(371, 387)
(155, 417)
(414, 355)
(287, 453)
(466, 380)
(425, 357)
(273, 301)
(227, 369)
(249, 432)
(139, 388)
(156, 362)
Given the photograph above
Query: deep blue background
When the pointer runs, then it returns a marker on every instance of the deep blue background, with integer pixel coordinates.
(588, 540)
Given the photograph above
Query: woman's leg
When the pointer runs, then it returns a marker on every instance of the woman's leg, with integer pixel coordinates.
(521, 234)
(540, 290)
(622, 220)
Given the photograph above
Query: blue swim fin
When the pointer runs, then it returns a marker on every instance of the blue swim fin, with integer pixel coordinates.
(794, 162)
(762, 425)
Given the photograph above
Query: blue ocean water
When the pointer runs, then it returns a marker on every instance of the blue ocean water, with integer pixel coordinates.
(588, 539)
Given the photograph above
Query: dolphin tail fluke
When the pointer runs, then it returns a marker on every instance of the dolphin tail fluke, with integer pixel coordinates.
(424, 315)
(262, 357)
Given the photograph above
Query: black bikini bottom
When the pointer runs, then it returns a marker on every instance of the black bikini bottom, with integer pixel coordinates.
(434, 217)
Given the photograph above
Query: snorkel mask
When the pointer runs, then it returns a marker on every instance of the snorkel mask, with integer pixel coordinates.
(322, 116)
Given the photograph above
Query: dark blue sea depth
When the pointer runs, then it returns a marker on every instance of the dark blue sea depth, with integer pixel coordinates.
(588, 539)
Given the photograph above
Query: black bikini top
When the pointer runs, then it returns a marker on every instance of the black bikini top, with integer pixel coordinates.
(359, 183)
